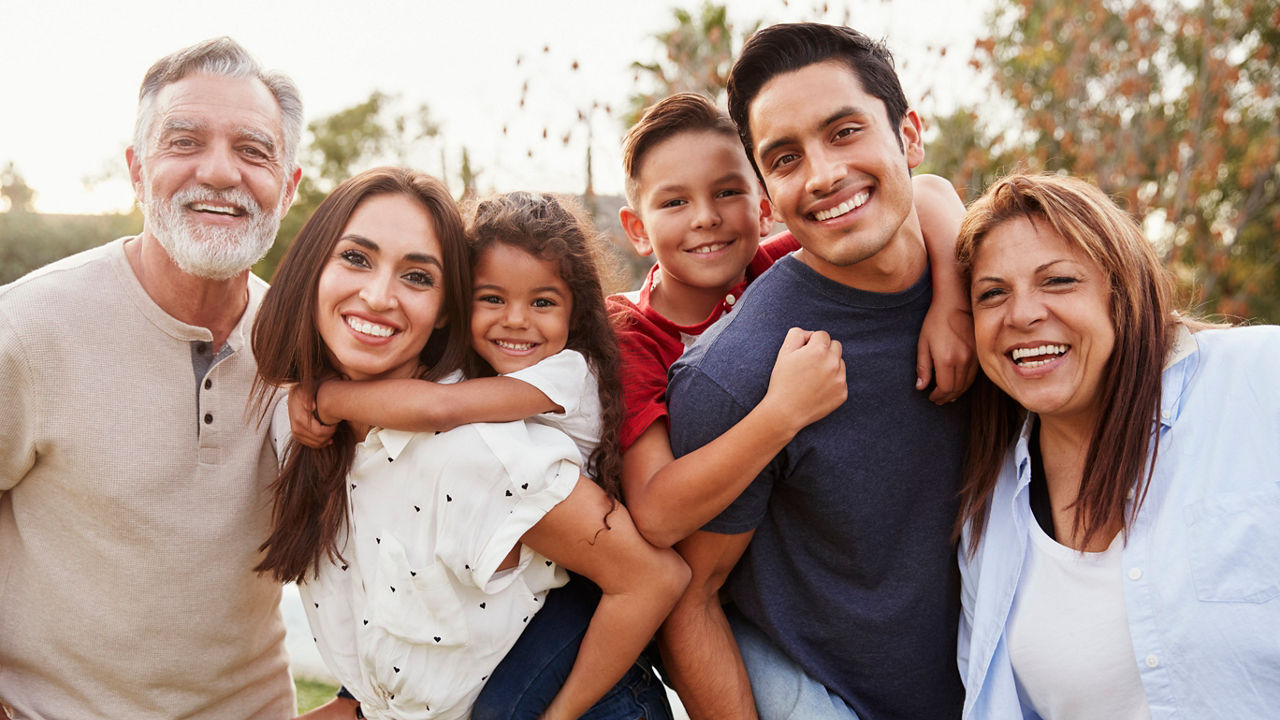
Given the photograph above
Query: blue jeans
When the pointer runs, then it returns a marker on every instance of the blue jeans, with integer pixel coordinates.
(782, 689)
(534, 670)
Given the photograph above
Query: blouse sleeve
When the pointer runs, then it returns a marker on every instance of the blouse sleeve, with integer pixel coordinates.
(497, 489)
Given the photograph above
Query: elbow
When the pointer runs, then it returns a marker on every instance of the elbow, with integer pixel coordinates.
(658, 534)
(654, 524)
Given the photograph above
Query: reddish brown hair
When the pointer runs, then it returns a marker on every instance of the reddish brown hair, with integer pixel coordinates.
(1141, 314)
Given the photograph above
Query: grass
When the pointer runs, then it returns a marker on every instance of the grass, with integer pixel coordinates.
(313, 693)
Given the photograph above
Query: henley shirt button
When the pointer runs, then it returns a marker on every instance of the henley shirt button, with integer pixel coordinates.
(1135, 573)
(208, 384)
(730, 300)
(1152, 661)
(208, 418)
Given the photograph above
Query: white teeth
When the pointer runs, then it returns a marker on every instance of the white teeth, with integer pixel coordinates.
(709, 248)
(852, 203)
(518, 347)
(220, 209)
(369, 328)
(1019, 353)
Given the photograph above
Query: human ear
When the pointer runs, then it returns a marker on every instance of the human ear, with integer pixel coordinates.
(633, 226)
(134, 162)
(912, 136)
(766, 215)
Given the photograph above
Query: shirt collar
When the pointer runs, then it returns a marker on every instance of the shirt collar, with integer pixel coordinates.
(1178, 365)
(392, 441)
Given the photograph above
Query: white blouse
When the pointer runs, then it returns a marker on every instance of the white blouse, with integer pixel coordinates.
(415, 615)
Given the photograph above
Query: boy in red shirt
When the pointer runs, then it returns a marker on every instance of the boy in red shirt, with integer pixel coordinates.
(695, 204)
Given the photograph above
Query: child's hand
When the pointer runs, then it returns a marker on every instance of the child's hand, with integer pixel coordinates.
(945, 352)
(808, 378)
(305, 423)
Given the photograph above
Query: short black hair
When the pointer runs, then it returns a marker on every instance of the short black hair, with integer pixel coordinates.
(788, 47)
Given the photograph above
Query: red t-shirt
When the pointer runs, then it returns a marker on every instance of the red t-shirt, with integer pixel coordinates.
(650, 343)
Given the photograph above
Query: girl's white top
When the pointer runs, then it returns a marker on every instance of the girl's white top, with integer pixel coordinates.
(569, 382)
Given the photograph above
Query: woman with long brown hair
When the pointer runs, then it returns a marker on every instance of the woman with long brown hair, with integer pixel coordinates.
(1120, 552)
(421, 556)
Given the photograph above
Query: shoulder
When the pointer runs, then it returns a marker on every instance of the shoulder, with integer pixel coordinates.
(74, 274)
(1249, 350)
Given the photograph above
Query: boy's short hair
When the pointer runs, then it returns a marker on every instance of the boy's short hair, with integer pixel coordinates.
(682, 112)
(789, 47)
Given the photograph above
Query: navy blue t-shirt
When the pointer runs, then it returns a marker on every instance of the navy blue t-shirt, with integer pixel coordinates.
(851, 571)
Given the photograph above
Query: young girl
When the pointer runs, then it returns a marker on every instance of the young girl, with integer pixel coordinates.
(542, 344)
(422, 556)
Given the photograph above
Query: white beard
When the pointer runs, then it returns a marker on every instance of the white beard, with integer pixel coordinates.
(211, 251)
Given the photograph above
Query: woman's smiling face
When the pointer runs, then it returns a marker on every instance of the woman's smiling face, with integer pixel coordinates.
(1042, 320)
(381, 292)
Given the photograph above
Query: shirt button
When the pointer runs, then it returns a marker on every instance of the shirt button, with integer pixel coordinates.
(1135, 573)
(208, 419)
(1129, 495)
(730, 300)
(208, 384)
(1152, 661)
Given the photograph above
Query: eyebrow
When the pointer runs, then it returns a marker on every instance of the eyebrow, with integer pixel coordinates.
(845, 111)
(495, 286)
(259, 136)
(1038, 270)
(243, 132)
(368, 244)
(727, 177)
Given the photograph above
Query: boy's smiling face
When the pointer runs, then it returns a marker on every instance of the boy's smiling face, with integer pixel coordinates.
(701, 212)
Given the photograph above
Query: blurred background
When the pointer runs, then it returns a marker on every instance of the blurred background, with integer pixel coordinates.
(1170, 105)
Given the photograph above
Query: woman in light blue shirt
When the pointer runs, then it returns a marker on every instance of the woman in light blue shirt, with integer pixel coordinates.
(1120, 518)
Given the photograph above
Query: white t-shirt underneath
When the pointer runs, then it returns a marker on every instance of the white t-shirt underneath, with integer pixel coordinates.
(1068, 635)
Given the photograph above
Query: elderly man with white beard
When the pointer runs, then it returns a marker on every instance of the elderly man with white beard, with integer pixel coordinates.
(132, 475)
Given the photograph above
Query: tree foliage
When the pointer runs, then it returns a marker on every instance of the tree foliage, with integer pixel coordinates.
(697, 52)
(344, 143)
(1169, 106)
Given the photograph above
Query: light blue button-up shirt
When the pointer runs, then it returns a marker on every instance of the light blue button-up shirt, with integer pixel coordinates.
(1202, 560)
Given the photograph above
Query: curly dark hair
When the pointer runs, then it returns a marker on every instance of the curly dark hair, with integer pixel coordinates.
(555, 230)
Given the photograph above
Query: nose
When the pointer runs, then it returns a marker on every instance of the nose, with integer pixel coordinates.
(706, 215)
(377, 292)
(1025, 309)
(825, 171)
(217, 167)
(515, 315)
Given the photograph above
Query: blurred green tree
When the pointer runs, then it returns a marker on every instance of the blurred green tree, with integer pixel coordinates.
(356, 138)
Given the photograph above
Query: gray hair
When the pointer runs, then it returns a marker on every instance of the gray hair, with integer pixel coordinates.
(220, 56)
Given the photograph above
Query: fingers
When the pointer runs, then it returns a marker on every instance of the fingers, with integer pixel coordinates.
(924, 364)
(795, 339)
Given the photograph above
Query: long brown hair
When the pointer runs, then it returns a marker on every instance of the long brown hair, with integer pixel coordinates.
(1123, 447)
(310, 503)
(551, 230)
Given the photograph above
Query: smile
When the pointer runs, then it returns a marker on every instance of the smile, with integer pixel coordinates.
(849, 205)
(710, 248)
(218, 209)
(1030, 357)
(368, 328)
(515, 346)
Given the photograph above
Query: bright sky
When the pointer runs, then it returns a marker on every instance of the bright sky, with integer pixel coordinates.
(72, 70)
